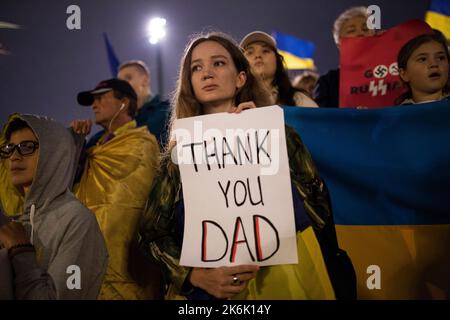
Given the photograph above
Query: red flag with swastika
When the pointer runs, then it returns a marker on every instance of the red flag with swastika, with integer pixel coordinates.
(368, 66)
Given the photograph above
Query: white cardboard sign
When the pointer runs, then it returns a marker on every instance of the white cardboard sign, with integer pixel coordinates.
(236, 188)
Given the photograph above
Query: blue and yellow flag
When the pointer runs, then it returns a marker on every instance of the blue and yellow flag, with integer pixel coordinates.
(297, 53)
(113, 61)
(438, 16)
(388, 174)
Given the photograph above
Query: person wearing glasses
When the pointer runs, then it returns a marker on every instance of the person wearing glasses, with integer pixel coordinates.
(55, 247)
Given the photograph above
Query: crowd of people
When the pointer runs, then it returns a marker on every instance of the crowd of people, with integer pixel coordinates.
(113, 205)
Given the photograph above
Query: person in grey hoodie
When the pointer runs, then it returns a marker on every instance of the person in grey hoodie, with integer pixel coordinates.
(55, 247)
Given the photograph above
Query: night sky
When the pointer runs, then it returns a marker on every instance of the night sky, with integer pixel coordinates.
(50, 64)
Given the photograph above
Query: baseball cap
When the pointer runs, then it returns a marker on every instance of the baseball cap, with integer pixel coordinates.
(86, 98)
(258, 36)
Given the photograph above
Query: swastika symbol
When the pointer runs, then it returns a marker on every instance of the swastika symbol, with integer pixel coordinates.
(380, 71)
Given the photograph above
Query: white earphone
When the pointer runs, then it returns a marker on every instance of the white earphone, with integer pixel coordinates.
(115, 116)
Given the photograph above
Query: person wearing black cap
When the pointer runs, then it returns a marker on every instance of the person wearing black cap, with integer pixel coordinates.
(109, 99)
(116, 179)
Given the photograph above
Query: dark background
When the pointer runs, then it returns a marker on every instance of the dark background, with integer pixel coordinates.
(50, 64)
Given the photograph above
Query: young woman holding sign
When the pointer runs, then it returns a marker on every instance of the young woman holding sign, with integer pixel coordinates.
(215, 77)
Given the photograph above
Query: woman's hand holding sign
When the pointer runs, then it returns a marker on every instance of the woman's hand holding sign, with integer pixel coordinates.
(243, 106)
(223, 282)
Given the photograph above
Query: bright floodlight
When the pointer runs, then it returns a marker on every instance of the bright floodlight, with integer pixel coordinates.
(156, 30)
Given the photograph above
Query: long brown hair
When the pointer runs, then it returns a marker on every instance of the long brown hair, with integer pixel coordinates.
(286, 90)
(185, 104)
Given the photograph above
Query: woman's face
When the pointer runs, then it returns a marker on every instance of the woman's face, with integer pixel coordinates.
(262, 60)
(214, 77)
(427, 68)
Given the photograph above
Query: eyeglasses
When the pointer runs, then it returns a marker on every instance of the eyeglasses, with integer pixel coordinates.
(25, 148)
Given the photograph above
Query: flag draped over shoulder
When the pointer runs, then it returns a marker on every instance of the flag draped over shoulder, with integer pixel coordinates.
(115, 185)
(11, 201)
(388, 174)
(297, 53)
(438, 16)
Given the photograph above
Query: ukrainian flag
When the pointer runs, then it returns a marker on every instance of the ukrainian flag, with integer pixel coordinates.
(438, 16)
(388, 174)
(297, 53)
(114, 62)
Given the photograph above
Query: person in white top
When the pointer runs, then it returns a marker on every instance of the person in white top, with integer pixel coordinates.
(267, 64)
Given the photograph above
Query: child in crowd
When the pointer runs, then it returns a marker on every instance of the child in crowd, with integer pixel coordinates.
(423, 64)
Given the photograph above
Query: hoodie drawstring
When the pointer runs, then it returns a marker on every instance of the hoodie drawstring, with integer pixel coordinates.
(32, 210)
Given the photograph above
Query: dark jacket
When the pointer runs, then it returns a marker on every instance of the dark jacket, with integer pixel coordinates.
(154, 114)
(326, 93)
